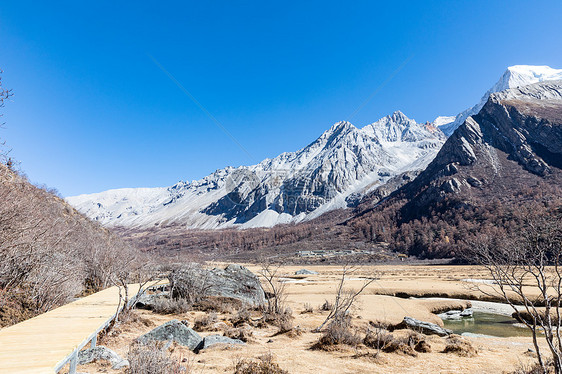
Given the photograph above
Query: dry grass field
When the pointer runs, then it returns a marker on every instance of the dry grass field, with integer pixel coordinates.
(292, 351)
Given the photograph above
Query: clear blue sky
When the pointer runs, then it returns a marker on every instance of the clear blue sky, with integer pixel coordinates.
(92, 111)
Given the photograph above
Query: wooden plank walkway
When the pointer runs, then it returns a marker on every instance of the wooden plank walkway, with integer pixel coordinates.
(39, 344)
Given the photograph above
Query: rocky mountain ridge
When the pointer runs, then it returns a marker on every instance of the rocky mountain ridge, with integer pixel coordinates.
(343, 163)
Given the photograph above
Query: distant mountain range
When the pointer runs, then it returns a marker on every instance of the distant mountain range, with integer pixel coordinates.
(344, 163)
(342, 167)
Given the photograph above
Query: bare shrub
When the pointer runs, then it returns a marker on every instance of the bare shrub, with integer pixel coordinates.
(153, 358)
(338, 334)
(326, 307)
(345, 299)
(241, 333)
(167, 305)
(283, 321)
(382, 340)
(5, 94)
(276, 312)
(218, 304)
(45, 245)
(533, 368)
(460, 346)
(263, 365)
(308, 308)
(15, 306)
(132, 316)
(241, 317)
(378, 339)
(202, 323)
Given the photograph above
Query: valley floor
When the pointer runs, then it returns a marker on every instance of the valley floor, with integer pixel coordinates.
(292, 351)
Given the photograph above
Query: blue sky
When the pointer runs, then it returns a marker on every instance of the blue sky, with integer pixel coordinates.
(92, 111)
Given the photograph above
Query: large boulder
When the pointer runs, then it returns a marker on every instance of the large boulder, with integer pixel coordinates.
(211, 340)
(427, 328)
(234, 281)
(176, 331)
(102, 353)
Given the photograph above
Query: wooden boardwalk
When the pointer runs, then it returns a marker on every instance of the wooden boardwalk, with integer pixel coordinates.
(42, 343)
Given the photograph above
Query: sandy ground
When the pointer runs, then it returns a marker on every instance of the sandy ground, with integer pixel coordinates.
(495, 355)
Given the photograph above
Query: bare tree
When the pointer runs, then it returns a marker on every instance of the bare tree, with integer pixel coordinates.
(527, 275)
(5, 94)
(132, 269)
(275, 289)
(190, 282)
(345, 298)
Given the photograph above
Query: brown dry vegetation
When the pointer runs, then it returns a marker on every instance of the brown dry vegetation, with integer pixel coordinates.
(50, 252)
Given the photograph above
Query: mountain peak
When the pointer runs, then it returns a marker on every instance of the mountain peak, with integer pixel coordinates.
(522, 75)
(399, 116)
(397, 127)
(337, 128)
(342, 125)
(534, 70)
(514, 76)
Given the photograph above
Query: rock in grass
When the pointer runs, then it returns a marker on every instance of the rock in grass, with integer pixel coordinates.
(176, 331)
(427, 328)
(305, 272)
(102, 353)
(211, 340)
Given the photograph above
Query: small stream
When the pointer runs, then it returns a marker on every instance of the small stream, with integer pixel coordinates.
(488, 318)
(483, 323)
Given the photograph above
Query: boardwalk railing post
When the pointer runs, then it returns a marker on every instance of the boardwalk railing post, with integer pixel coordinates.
(73, 363)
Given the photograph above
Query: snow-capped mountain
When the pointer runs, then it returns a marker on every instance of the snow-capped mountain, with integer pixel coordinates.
(343, 162)
(515, 76)
(342, 165)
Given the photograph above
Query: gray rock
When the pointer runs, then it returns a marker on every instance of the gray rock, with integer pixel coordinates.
(466, 313)
(147, 301)
(452, 185)
(102, 353)
(176, 331)
(456, 314)
(474, 182)
(234, 281)
(427, 328)
(305, 272)
(451, 169)
(211, 340)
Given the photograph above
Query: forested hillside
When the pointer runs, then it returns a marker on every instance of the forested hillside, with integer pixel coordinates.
(49, 253)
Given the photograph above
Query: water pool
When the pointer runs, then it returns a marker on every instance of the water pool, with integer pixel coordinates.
(487, 324)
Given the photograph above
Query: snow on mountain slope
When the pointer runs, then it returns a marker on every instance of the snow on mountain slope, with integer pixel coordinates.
(514, 76)
(442, 120)
(344, 161)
